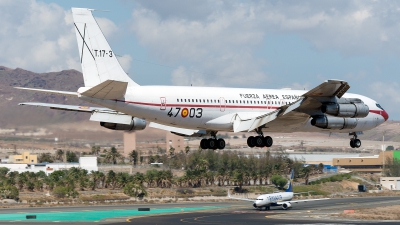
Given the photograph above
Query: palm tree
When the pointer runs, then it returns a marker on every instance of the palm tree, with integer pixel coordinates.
(112, 155)
(111, 179)
(60, 155)
(133, 155)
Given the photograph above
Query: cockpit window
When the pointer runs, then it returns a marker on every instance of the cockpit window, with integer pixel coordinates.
(379, 106)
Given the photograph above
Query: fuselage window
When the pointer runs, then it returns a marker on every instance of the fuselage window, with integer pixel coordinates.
(185, 100)
(192, 100)
(177, 100)
(229, 101)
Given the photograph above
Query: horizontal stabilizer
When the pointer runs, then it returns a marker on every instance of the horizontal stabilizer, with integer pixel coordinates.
(64, 93)
(109, 89)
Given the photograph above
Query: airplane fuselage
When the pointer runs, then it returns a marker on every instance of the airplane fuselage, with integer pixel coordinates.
(272, 199)
(198, 107)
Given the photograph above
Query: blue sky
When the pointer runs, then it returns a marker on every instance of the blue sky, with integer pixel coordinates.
(259, 44)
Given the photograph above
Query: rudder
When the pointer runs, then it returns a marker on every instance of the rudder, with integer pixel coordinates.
(290, 187)
(98, 61)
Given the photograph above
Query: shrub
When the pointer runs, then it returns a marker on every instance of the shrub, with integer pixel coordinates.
(9, 191)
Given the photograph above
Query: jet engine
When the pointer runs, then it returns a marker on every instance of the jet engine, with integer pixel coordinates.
(136, 124)
(352, 110)
(334, 123)
(286, 205)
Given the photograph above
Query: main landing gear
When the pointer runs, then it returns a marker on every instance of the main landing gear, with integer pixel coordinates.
(212, 143)
(354, 141)
(260, 140)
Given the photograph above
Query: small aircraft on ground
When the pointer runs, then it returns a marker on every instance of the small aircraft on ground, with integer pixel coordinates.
(282, 199)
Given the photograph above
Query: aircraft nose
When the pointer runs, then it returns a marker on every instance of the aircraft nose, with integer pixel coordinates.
(385, 115)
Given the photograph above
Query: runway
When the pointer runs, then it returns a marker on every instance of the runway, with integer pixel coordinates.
(318, 212)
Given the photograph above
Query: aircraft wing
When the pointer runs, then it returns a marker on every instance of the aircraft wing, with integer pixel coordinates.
(301, 201)
(242, 199)
(75, 108)
(297, 112)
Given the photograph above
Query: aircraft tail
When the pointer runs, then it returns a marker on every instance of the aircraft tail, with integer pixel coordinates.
(99, 63)
(290, 187)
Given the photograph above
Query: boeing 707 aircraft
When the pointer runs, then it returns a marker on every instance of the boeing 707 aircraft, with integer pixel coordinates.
(205, 111)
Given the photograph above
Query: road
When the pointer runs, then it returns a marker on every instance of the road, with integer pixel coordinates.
(318, 212)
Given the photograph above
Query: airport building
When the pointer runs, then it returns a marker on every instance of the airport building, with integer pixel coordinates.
(175, 141)
(24, 158)
(391, 183)
(366, 164)
(87, 163)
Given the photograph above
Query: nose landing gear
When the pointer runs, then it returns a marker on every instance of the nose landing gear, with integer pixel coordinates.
(260, 140)
(354, 141)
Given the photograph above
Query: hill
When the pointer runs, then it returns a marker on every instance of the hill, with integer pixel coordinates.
(12, 115)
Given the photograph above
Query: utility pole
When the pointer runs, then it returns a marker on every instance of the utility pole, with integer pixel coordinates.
(383, 149)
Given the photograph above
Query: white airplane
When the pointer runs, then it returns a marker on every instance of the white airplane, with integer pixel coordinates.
(283, 199)
(204, 111)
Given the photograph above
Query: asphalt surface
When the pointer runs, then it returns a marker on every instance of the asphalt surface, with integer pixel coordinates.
(318, 212)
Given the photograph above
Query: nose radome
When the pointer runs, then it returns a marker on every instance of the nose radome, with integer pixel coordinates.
(385, 115)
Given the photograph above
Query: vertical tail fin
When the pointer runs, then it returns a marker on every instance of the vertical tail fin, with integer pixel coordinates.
(98, 61)
(290, 187)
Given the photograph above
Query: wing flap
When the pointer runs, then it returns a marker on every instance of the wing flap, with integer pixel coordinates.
(111, 118)
(329, 88)
(179, 131)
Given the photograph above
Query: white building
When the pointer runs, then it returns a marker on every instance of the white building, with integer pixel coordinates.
(391, 183)
(87, 163)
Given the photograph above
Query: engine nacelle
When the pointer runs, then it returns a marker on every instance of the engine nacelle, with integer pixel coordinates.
(334, 123)
(352, 110)
(286, 205)
(136, 124)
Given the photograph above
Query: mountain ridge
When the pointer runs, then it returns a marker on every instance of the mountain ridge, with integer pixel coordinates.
(13, 115)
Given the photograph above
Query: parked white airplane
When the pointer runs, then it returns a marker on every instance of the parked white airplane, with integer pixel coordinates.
(204, 111)
(283, 199)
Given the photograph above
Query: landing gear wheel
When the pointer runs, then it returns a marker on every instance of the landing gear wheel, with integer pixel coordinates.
(352, 143)
(259, 141)
(204, 144)
(212, 143)
(357, 143)
(220, 143)
(268, 141)
(250, 141)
